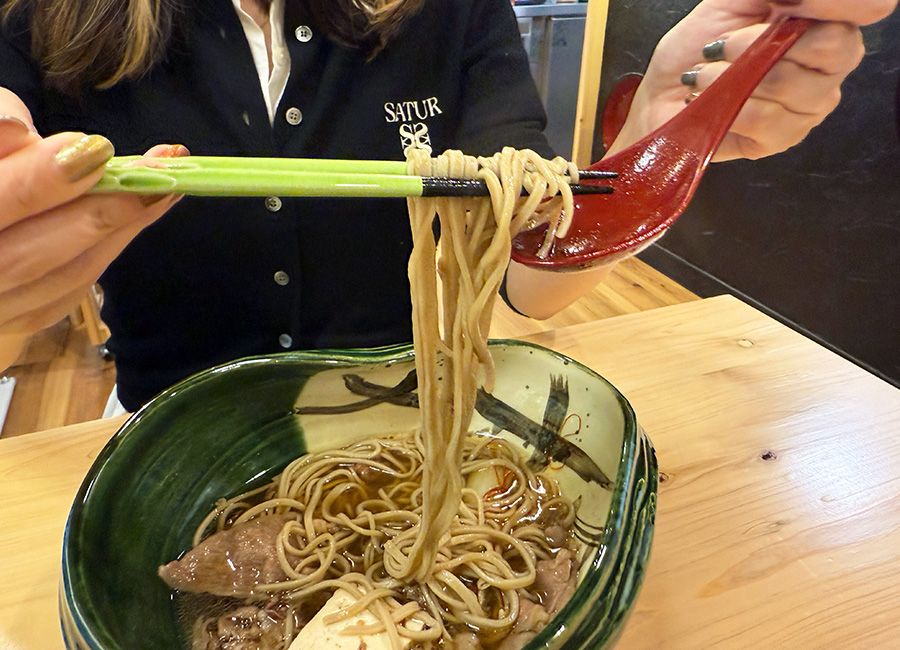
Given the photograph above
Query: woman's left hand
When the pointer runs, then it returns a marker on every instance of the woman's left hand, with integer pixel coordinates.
(799, 92)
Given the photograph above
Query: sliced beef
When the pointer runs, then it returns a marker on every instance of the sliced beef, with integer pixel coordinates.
(230, 562)
(248, 627)
(555, 580)
(532, 619)
(554, 584)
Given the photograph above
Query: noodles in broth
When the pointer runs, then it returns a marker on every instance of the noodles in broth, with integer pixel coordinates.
(400, 524)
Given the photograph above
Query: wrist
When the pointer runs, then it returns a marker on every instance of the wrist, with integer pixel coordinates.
(657, 98)
(637, 123)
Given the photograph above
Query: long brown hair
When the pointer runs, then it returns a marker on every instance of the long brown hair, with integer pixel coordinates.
(84, 43)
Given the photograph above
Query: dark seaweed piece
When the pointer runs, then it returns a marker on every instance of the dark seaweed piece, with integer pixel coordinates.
(402, 391)
(554, 417)
(548, 443)
(358, 385)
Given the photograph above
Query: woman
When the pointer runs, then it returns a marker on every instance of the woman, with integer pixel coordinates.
(219, 279)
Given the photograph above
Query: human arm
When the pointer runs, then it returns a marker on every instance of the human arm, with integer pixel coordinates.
(55, 241)
(799, 92)
(797, 95)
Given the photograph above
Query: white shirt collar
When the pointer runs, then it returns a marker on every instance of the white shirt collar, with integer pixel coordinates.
(272, 82)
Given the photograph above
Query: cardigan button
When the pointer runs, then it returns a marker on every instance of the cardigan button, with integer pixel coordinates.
(281, 278)
(285, 341)
(293, 116)
(273, 204)
(303, 33)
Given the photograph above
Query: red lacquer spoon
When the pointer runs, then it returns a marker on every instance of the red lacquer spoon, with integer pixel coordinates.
(659, 174)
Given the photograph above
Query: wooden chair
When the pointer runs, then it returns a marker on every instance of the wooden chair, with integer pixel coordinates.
(88, 314)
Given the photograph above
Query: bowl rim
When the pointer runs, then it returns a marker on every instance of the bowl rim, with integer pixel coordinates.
(633, 440)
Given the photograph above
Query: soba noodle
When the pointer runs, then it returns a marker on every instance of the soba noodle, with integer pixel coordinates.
(395, 522)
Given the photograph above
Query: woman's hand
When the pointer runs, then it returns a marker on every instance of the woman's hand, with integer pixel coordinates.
(55, 241)
(797, 94)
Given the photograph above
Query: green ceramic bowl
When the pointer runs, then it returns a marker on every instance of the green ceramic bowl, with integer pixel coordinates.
(227, 429)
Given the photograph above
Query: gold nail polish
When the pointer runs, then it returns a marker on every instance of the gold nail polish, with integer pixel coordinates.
(83, 156)
(178, 151)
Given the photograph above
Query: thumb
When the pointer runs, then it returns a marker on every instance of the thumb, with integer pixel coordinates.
(50, 172)
(860, 12)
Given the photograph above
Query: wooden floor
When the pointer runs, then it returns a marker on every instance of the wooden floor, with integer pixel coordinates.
(62, 379)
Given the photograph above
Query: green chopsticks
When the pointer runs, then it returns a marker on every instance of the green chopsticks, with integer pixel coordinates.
(305, 177)
(212, 176)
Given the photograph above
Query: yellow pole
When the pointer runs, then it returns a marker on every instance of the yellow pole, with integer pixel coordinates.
(589, 81)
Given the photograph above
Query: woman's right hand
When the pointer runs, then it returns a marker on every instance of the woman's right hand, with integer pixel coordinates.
(55, 240)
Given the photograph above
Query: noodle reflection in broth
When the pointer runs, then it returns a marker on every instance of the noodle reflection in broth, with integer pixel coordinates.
(445, 537)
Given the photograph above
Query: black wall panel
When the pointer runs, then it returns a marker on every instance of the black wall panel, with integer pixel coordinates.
(812, 235)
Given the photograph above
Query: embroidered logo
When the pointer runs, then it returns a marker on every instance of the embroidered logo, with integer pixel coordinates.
(415, 136)
(411, 115)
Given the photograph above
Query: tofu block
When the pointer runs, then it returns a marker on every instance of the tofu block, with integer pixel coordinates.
(317, 635)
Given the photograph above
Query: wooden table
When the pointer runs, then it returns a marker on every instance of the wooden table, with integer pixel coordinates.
(779, 514)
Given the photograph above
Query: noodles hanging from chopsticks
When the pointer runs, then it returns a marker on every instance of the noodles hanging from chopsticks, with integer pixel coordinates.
(450, 339)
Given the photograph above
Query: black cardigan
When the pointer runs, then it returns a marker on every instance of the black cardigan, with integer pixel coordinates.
(218, 279)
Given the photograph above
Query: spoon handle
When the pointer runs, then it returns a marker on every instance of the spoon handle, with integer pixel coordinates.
(717, 107)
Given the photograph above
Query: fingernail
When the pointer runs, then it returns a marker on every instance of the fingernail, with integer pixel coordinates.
(689, 78)
(83, 156)
(149, 199)
(15, 122)
(714, 51)
(691, 97)
(176, 151)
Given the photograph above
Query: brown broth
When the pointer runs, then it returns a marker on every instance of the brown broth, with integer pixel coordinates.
(373, 481)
